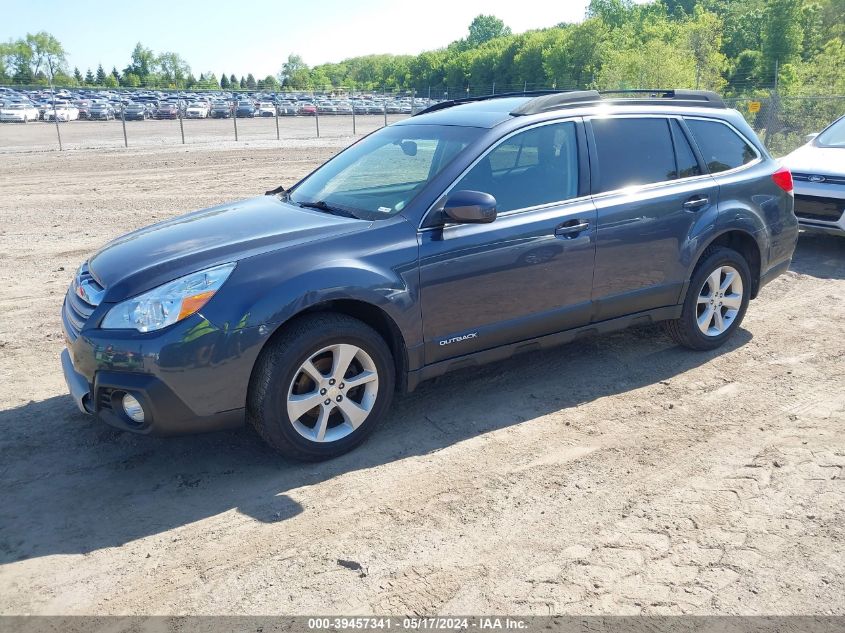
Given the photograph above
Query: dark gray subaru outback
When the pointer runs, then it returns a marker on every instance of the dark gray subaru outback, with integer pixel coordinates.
(470, 232)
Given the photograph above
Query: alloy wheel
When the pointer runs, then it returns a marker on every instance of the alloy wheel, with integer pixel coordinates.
(719, 301)
(332, 393)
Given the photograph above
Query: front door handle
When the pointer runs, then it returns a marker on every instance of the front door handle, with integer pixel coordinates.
(696, 202)
(571, 229)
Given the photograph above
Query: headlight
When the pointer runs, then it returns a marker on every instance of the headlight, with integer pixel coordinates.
(169, 303)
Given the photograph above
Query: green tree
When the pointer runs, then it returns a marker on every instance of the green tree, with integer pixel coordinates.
(131, 80)
(782, 34)
(614, 13)
(174, 69)
(89, 78)
(110, 81)
(295, 73)
(48, 55)
(250, 81)
(270, 83)
(77, 76)
(242, 83)
(224, 81)
(484, 28)
(702, 37)
(115, 74)
(143, 62)
(233, 82)
(101, 75)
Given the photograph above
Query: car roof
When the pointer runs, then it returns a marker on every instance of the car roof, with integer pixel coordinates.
(490, 112)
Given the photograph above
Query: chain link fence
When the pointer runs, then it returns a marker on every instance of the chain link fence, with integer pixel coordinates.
(782, 122)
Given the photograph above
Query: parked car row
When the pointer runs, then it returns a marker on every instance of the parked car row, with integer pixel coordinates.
(105, 105)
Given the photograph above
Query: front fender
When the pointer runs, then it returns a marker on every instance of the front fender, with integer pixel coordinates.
(378, 267)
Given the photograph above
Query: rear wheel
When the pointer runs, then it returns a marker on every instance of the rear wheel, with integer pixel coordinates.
(321, 387)
(716, 300)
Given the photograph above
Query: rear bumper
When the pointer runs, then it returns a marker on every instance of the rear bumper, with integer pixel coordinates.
(820, 207)
(774, 271)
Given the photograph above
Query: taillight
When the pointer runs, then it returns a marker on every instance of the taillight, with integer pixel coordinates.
(783, 179)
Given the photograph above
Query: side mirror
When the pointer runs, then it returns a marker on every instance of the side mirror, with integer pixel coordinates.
(470, 207)
(810, 137)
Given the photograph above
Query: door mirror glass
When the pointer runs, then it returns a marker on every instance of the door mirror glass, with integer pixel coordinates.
(470, 207)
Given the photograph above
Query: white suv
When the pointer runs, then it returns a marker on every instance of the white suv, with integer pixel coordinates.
(818, 173)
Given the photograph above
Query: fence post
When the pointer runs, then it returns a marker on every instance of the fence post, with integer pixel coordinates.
(413, 100)
(235, 118)
(384, 104)
(276, 110)
(181, 126)
(56, 114)
(123, 120)
(317, 118)
(352, 101)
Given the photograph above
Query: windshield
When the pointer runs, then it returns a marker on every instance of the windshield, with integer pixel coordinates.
(378, 176)
(833, 136)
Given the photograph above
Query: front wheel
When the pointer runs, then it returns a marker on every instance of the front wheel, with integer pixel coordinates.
(716, 300)
(321, 387)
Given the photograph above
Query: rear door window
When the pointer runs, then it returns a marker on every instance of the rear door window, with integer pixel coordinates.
(722, 148)
(633, 152)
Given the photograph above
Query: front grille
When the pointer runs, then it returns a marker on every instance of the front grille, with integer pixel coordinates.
(815, 178)
(77, 310)
(816, 208)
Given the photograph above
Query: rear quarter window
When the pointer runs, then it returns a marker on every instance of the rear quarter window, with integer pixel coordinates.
(722, 148)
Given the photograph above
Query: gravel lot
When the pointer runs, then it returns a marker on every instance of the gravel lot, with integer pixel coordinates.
(615, 475)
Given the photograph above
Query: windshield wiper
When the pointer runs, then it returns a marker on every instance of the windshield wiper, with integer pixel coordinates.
(322, 205)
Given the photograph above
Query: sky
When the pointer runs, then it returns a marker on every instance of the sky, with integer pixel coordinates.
(257, 35)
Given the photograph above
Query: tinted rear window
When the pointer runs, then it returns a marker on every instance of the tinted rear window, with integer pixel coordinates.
(633, 152)
(722, 148)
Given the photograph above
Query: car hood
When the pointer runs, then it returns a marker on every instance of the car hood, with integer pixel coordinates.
(810, 159)
(162, 252)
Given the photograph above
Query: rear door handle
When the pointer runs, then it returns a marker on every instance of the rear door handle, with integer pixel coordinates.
(696, 202)
(569, 230)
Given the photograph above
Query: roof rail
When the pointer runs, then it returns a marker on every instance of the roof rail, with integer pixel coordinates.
(453, 102)
(678, 97)
(546, 100)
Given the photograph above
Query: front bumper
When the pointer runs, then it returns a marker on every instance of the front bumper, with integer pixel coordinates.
(820, 207)
(189, 378)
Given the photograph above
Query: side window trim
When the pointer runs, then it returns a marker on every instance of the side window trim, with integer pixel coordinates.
(583, 178)
(758, 155)
(685, 136)
(702, 165)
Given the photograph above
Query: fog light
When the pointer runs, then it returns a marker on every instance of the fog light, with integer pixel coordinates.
(133, 408)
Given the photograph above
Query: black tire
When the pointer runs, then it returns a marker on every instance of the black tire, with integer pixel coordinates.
(279, 364)
(684, 330)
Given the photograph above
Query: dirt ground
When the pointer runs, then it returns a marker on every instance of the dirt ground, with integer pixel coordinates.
(614, 475)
